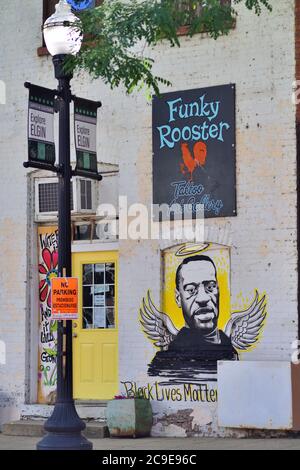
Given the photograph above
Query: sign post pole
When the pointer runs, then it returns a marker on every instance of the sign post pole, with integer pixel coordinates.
(64, 427)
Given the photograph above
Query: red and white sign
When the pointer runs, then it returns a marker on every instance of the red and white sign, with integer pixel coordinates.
(64, 292)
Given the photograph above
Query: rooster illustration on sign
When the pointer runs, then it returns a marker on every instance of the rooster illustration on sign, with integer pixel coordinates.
(191, 162)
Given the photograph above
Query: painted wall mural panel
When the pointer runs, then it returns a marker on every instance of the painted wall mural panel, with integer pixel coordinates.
(48, 261)
(196, 327)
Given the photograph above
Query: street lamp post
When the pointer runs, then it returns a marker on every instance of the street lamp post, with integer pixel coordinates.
(64, 427)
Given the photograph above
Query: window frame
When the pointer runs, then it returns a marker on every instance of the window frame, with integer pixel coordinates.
(184, 29)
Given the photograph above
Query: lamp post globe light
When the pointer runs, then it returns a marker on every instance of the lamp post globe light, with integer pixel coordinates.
(62, 32)
(63, 37)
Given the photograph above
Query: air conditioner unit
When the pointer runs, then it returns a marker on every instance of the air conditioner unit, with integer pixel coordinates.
(83, 197)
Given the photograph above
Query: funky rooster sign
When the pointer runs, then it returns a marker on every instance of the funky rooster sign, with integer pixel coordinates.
(194, 150)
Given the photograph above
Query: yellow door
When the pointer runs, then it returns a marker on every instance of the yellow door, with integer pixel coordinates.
(95, 334)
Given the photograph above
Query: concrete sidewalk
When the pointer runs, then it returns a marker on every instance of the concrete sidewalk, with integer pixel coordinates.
(29, 443)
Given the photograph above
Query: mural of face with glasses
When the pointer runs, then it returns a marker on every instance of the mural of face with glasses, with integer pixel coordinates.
(197, 293)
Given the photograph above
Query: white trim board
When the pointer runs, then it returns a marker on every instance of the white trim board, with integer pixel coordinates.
(90, 247)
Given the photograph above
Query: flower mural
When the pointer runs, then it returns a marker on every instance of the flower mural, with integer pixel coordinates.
(48, 269)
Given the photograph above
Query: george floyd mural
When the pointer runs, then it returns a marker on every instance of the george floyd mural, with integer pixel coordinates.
(194, 150)
(197, 327)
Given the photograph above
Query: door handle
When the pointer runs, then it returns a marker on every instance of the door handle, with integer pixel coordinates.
(75, 335)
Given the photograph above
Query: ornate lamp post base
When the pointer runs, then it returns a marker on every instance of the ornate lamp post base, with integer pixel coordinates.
(64, 429)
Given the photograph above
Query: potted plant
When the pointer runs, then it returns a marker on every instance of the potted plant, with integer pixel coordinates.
(129, 417)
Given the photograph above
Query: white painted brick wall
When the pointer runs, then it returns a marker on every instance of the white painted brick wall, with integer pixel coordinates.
(258, 55)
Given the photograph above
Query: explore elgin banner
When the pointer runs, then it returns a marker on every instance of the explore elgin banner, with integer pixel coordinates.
(41, 147)
(194, 150)
(85, 126)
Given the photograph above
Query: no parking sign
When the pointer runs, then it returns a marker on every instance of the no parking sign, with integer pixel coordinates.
(64, 298)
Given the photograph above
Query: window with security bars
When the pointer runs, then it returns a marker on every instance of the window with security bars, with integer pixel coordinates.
(48, 197)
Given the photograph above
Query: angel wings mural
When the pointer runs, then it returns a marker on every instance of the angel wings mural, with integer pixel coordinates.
(243, 328)
(187, 353)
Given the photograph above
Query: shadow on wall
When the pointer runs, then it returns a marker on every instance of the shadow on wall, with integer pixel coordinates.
(2, 92)
(9, 410)
(2, 353)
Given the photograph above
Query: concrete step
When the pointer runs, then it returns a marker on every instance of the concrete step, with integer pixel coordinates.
(87, 410)
(35, 428)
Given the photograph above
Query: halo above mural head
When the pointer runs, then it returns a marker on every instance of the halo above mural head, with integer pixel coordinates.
(192, 249)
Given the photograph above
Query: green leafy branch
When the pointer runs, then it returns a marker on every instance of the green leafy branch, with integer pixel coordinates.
(118, 32)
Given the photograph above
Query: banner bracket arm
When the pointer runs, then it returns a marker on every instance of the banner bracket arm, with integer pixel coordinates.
(92, 176)
(43, 166)
(98, 104)
(29, 85)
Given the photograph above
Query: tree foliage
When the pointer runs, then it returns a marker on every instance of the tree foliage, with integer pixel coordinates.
(118, 33)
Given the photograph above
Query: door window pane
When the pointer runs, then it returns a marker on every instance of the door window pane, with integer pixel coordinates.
(87, 318)
(99, 320)
(87, 277)
(99, 273)
(99, 296)
(88, 296)
(110, 273)
(110, 318)
(110, 296)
